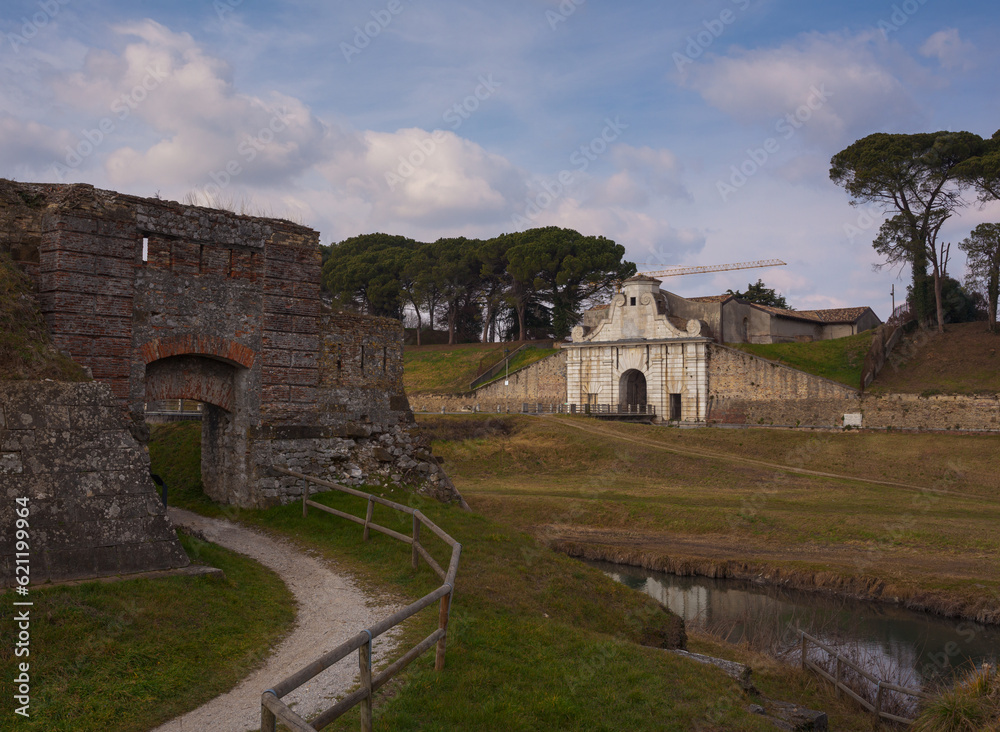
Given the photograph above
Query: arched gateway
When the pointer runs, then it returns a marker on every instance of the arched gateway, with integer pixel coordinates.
(635, 351)
(166, 301)
(632, 389)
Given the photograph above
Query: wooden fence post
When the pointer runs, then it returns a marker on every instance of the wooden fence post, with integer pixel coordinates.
(878, 700)
(443, 625)
(368, 516)
(837, 685)
(365, 659)
(416, 540)
(804, 652)
(305, 497)
(268, 722)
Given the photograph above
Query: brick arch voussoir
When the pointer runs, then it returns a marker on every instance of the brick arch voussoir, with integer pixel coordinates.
(197, 388)
(194, 344)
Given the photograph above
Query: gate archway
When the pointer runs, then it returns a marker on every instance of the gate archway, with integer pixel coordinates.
(218, 385)
(632, 388)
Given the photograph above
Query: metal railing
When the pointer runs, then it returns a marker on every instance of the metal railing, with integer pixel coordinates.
(837, 679)
(494, 371)
(273, 709)
(635, 410)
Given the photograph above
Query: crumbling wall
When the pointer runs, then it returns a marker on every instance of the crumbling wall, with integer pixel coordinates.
(93, 510)
(162, 300)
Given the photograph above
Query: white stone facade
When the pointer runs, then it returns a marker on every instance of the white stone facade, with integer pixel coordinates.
(637, 354)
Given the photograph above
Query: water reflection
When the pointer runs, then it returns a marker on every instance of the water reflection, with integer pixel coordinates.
(915, 648)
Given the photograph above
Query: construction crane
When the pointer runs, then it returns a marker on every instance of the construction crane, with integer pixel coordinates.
(676, 271)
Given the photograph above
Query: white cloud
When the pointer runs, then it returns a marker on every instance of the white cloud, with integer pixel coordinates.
(428, 178)
(950, 50)
(30, 145)
(838, 85)
(644, 173)
(163, 83)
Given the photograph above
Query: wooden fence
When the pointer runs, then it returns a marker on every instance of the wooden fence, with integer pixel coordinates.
(273, 709)
(837, 679)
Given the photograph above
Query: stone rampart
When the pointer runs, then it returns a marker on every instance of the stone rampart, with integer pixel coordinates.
(93, 510)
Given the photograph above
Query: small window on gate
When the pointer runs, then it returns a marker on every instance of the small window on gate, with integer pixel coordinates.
(632, 302)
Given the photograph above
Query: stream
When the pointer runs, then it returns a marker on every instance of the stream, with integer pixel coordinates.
(910, 648)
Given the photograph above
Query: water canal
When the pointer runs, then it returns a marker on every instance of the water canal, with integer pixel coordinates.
(910, 648)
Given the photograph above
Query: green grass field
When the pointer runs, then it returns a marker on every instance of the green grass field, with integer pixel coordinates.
(840, 359)
(128, 656)
(745, 500)
(537, 640)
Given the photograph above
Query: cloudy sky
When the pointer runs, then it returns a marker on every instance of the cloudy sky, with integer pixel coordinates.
(691, 133)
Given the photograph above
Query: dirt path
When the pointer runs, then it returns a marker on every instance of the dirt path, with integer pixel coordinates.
(331, 609)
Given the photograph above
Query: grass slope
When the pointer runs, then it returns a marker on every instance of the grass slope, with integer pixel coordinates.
(537, 640)
(962, 360)
(26, 350)
(450, 369)
(688, 499)
(839, 359)
(128, 656)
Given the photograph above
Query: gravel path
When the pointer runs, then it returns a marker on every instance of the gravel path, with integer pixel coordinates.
(331, 610)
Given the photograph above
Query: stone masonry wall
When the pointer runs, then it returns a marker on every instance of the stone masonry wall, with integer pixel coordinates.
(225, 309)
(893, 411)
(94, 511)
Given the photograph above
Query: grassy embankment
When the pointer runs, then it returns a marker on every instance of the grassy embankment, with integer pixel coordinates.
(840, 359)
(127, 656)
(962, 360)
(743, 504)
(450, 369)
(537, 640)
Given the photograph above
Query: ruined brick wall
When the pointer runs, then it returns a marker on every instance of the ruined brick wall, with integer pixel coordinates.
(94, 511)
(361, 370)
(166, 301)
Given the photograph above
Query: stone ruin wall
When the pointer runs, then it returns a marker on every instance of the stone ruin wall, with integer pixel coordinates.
(361, 430)
(92, 508)
(225, 309)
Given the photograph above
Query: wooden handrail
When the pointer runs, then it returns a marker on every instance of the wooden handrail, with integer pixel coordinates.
(272, 709)
(840, 686)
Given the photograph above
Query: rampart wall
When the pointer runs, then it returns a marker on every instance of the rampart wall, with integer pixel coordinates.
(543, 381)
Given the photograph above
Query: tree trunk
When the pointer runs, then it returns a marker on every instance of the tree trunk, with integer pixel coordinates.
(520, 322)
(488, 320)
(419, 323)
(452, 317)
(992, 294)
(937, 299)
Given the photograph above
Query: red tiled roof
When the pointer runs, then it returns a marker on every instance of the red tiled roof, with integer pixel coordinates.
(710, 298)
(831, 315)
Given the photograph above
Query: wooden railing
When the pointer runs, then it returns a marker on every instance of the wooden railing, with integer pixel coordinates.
(273, 709)
(837, 679)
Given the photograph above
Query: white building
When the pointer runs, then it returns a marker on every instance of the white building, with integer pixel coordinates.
(633, 353)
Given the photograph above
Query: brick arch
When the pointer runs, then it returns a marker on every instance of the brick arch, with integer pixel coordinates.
(194, 344)
(199, 378)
